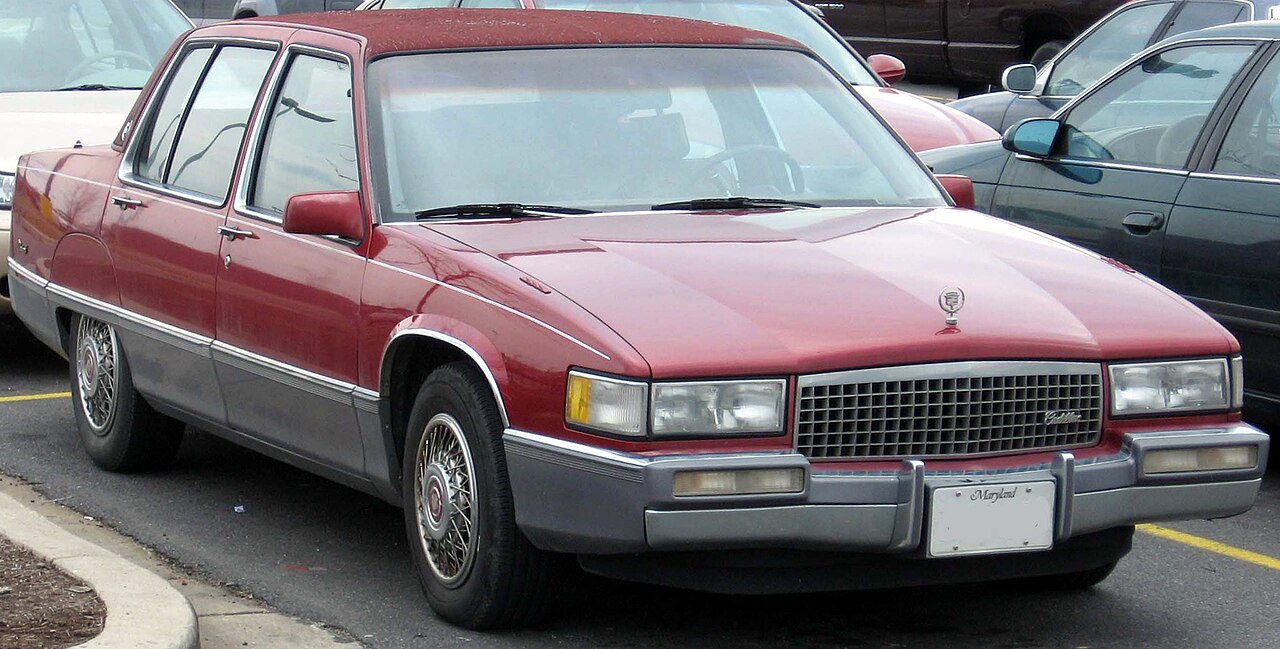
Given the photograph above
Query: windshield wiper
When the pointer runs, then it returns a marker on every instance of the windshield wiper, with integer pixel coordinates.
(482, 210)
(732, 203)
(98, 86)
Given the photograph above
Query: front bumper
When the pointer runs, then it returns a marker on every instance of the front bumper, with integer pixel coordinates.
(580, 499)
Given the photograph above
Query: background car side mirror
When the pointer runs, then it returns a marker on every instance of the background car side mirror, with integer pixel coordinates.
(889, 68)
(960, 188)
(1019, 79)
(1034, 137)
(325, 214)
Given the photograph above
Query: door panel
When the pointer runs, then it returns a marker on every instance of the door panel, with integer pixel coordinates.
(1087, 205)
(288, 305)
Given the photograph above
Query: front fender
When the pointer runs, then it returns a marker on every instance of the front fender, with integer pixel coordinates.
(457, 334)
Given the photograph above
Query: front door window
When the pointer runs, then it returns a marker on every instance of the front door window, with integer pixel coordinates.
(1109, 45)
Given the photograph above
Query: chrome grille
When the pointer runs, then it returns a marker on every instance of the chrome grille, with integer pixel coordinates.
(949, 409)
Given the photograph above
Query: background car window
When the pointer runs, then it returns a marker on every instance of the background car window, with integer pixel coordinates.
(491, 4)
(210, 136)
(1114, 41)
(1153, 112)
(1252, 145)
(157, 142)
(415, 4)
(1198, 15)
(310, 142)
(51, 45)
(774, 16)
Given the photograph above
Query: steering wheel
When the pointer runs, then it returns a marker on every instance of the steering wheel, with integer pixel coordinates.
(1175, 143)
(83, 66)
(706, 167)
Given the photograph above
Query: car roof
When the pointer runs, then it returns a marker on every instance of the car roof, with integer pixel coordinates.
(412, 30)
(1259, 29)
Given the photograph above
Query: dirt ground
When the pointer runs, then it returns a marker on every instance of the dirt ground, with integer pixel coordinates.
(40, 606)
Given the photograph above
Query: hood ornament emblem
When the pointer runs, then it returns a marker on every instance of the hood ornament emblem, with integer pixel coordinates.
(951, 300)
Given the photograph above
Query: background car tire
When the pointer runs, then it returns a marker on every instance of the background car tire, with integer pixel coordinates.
(507, 581)
(1046, 52)
(1069, 581)
(123, 433)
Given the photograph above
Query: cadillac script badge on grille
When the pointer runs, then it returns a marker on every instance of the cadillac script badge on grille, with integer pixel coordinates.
(951, 300)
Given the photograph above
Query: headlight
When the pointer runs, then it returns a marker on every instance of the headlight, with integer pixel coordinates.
(718, 408)
(7, 182)
(1177, 386)
(607, 404)
(684, 409)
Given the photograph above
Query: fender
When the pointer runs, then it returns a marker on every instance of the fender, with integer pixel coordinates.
(460, 335)
(82, 264)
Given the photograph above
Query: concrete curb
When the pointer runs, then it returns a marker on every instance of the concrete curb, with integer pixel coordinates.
(143, 610)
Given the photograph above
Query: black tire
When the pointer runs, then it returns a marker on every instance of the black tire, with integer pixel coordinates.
(1069, 581)
(506, 582)
(123, 433)
(1045, 52)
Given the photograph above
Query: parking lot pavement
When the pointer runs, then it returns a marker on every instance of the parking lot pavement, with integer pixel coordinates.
(332, 555)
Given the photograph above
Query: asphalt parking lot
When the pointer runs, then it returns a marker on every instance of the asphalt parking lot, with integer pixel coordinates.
(332, 555)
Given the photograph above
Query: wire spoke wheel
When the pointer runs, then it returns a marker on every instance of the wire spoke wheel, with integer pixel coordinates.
(97, 373)
(445, 502)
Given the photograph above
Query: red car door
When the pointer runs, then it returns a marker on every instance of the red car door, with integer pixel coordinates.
(167, 207)
(288, 305)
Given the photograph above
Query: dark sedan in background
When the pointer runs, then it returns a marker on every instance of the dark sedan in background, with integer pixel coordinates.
(1029, 92)
(1171, 166)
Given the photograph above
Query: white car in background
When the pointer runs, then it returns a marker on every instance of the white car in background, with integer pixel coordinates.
(71, 71)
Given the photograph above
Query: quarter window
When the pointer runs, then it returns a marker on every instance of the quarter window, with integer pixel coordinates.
(1154, 112)
(1252, 144)
(157, 144)
(209, 140)
(310, 141)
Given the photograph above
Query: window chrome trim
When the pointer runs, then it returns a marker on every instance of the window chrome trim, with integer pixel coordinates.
(1214, 175)
(1102, 164)
(275, 83)
(125, 174)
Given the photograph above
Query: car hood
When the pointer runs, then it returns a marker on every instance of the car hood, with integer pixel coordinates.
(925, 124)
(718, 293)
(31, 121)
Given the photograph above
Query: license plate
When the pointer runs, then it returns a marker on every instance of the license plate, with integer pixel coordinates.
(991, 518)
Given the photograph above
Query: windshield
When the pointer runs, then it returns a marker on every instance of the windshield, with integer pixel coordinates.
(94, 44)
(774, 16)
(624, 128)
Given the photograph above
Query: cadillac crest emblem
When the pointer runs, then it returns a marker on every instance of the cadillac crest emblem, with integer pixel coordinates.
(951, 300)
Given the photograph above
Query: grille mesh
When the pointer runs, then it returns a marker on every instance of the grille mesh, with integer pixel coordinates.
(953, 416)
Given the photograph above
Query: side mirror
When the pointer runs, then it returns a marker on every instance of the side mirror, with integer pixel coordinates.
(1019, 79)
(960, 188)
(889, 68)
(335, 214)
(1034, 137)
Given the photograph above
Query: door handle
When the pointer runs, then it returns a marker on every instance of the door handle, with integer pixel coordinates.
(125, 202)
(231, 233)
(1142, 222)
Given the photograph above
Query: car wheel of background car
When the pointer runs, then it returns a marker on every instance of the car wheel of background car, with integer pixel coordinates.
(476, 568)
(1046, 52)
(119, 429)
(1081, 580)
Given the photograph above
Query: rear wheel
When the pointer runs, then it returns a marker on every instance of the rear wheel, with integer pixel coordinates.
(476, 568)
(119, 430)
(1045, 52)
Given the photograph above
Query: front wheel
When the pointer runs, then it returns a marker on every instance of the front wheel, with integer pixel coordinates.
(119, 430)
(476, 568)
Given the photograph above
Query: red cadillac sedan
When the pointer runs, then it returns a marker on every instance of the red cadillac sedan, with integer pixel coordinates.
(664, 296)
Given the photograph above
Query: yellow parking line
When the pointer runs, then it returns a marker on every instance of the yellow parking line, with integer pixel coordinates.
(36, 397)
(1211, 546)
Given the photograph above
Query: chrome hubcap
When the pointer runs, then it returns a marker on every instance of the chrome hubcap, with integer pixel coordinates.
(444, 500)
(97, 372)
